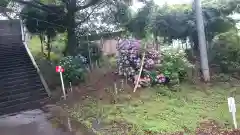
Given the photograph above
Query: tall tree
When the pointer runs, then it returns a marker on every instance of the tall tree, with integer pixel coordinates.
(84, 9)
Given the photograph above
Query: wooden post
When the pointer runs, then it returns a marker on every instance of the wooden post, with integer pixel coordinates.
(96, 63)
(70, 86)
(126, 80)
(63, 88)
(115, 88)
(122, 86)
(69, 124)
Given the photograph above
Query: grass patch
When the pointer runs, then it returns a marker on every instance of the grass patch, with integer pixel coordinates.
(58, 46)
(47, 67)
(159, 110)
(34, 45)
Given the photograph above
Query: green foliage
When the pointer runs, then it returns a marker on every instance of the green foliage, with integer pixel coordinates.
(51, 17)
(55, 57)
(90, 50)
(59, 43)
(179, 22)
(4, 3)
(58, 46)
(173, 25)
(140, 22)
(157, 112)
(182, 24)
(225, 6)
(174, 64)
(74, 68)
(123, 14)
(226, 52)
(44, 23)
(38, 21)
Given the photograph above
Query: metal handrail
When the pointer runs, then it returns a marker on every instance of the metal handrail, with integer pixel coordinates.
(33, 61)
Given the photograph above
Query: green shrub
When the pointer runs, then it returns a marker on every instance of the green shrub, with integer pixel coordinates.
(75, 68)
(92, 48)
(225, 53)
(59, 43)
(174, 64)
(54, 57)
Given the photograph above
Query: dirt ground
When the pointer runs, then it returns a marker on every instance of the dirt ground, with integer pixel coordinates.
(212, 128)
(99, 82)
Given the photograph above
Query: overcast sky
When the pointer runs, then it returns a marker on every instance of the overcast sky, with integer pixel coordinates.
(160, 2)
(137, 5)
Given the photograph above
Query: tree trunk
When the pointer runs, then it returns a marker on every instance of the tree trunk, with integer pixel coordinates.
(156, 43)
(72, 40)
(49, 48)
(41, 39)
(71, 43)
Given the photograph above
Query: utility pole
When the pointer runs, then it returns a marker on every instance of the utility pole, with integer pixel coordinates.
(202, 41)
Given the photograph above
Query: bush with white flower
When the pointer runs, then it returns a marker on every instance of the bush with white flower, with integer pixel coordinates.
(74, 68)
(174, 64)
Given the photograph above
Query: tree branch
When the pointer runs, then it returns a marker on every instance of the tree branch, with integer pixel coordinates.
(88, 16)
(85, 19)
(35, 4)
(91, 3)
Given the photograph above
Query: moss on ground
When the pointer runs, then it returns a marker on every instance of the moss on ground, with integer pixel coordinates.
(158, 110)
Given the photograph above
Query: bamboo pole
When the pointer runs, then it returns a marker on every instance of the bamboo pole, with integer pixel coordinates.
(122, 84)
(115, 88)
(141, 68)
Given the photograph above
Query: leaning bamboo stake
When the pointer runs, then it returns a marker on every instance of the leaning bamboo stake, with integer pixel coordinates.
(141, 68)
(115, 88)
(126, 78)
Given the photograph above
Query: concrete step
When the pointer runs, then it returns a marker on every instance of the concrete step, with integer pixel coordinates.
(11, 110)
(36, 95)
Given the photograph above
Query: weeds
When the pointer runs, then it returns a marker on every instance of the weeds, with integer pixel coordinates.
(159, 110)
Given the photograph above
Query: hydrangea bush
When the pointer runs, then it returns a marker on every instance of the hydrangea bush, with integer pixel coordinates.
(129, 60)
(171, 64)
(75, 68)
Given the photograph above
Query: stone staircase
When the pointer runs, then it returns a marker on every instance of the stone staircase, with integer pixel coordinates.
(20, 85)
